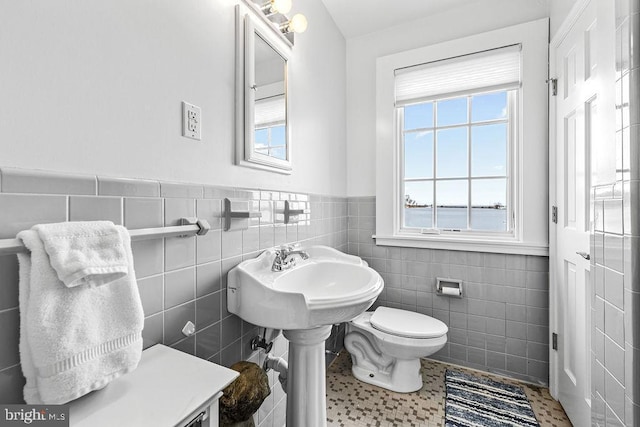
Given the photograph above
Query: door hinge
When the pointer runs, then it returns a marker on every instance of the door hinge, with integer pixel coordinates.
(554, 341)
(554, 86)
(554, 214)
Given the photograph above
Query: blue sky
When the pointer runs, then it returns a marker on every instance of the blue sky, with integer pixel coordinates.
(277, 140)
(488, 150)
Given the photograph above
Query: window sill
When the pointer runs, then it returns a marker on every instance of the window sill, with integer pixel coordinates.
(459, 243)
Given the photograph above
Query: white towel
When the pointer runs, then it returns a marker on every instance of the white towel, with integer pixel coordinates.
(75, 340)
(84, 253)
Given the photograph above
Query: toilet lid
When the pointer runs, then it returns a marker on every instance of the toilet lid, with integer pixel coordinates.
(407, 323)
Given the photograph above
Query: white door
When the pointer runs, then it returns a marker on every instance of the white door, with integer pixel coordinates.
(577, 62)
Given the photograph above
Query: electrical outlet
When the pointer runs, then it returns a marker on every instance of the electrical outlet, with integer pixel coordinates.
(191, 121)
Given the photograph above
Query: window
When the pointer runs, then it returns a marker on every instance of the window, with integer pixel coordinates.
(462, 143)
(270, 141)
(456, 171)
(270, 127)
(456, 163)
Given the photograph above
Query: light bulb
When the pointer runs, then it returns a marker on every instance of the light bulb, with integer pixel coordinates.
(298, 23)
(281, 6)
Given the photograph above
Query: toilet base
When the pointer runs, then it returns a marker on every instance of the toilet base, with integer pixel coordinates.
(404, 377)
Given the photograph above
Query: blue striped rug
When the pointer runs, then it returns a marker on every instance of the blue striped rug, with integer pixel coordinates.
(481, 402)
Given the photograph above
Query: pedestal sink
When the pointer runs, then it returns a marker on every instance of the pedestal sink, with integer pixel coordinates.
(304, 301)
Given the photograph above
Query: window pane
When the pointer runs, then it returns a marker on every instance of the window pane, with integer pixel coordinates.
(452, 111)
(418, 206)
(489, 204)
(418, 154)
(489, 150)
(418, 116)
(490, 106)
(278, 153)
(277, 136)
(452, 203)
(452, 153)
(261, 138)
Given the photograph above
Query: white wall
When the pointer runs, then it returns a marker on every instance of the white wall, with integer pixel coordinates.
(361, 69)
(558, 11)
(95, 87)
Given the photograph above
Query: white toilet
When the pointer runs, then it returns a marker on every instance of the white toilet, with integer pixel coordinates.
(386, 346)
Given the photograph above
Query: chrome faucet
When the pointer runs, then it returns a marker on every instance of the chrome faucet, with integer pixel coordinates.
(284, 258)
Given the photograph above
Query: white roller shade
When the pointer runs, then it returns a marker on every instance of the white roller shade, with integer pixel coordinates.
(270, 111)
(487, 70)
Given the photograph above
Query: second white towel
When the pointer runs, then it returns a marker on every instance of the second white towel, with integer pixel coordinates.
(84, 253)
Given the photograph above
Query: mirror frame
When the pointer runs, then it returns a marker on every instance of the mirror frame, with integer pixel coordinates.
(248, 26)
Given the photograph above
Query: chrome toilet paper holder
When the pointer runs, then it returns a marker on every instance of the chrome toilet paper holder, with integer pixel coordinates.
(449, 287)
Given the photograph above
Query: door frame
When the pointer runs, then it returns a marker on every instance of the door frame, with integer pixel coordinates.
(566, 26)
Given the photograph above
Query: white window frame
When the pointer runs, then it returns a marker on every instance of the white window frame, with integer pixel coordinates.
(511, 173)
(529, 178)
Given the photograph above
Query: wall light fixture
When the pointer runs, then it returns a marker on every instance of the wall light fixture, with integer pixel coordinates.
(277, 6)
(274, 13)
(297, 24)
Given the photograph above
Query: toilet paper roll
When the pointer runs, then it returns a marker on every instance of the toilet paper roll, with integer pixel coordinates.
(448, 290)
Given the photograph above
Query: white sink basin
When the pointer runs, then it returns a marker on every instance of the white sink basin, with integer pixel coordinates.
(329, 287)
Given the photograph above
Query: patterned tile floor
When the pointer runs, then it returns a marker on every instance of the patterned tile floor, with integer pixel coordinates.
(354, 403)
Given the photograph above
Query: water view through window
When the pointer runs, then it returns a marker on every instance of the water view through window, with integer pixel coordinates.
(456, 163)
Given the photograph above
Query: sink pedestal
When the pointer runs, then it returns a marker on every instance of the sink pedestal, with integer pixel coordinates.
(306, 382)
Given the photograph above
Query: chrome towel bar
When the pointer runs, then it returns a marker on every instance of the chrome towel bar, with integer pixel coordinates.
(189, 227)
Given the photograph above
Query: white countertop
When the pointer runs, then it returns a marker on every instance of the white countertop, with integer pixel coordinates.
(165, 389)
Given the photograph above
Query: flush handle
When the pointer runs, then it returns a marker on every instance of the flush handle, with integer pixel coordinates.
(584, 255)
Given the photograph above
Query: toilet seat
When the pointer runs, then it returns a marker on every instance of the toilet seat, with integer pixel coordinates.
(407, 324)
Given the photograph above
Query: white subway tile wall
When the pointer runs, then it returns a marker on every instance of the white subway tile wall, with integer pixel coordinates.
(615, 349)
(500, 325)
(180, 279)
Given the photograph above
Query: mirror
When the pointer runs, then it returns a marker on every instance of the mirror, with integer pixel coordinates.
(263, 134)
(270, 107)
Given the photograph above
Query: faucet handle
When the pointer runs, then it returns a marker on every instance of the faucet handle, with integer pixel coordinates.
(281, 260)
(281, 254)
